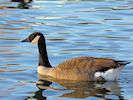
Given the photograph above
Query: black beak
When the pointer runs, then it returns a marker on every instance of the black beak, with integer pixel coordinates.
(25, 40)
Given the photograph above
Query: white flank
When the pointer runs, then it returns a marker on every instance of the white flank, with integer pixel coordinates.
(111, 74)
(36, 39)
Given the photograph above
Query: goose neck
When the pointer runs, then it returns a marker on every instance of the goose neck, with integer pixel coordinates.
(43, 57)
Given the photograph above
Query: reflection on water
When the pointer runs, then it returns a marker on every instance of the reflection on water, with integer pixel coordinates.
(77, 89)
(100, 28)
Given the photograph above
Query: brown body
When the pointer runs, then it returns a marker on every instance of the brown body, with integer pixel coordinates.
(80, 68)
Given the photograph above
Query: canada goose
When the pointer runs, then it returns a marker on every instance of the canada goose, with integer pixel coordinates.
(80, 68)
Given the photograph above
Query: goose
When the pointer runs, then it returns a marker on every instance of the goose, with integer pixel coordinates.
(82, 68)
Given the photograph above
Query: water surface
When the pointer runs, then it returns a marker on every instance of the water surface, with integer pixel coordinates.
(100, 28)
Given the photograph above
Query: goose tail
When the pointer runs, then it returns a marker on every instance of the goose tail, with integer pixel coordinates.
(122, 63)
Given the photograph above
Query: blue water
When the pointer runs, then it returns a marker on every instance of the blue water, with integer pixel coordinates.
(100, 28)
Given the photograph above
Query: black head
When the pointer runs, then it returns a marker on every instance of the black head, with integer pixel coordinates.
(34, 37)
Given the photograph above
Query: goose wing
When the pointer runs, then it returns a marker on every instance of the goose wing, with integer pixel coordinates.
(91, 64)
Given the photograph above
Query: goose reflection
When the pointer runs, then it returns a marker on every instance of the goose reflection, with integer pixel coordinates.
(77, 89)
(39, 94)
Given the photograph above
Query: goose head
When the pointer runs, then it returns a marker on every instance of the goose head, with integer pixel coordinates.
(34, 38)
(38, 38)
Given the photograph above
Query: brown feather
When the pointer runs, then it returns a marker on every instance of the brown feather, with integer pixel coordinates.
(90, 63)
(81, 68)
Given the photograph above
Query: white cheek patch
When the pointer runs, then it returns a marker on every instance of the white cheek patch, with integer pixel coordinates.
(36, 39)
(110, 75)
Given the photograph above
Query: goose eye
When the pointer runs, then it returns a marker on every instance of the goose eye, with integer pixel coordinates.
(32, 36)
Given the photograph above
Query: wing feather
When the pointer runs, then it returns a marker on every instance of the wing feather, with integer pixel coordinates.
(87, 63)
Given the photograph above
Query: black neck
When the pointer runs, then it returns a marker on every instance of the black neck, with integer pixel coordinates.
(43, 57)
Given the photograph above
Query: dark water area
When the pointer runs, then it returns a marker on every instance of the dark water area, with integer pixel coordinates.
(100, 28)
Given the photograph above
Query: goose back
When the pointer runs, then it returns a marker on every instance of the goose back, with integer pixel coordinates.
(87, 63)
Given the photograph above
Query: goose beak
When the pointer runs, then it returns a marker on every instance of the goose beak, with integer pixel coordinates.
(25, 40)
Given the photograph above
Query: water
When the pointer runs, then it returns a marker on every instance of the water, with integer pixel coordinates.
(100, 28)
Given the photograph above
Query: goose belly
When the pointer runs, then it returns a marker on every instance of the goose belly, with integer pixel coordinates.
(110, 75)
